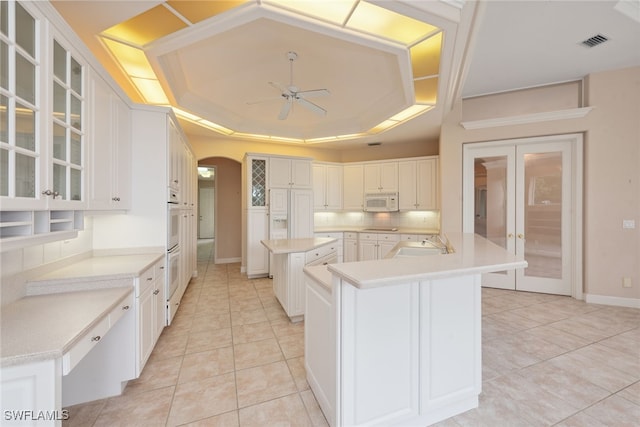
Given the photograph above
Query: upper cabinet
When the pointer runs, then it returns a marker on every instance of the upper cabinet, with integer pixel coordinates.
(418, 184)
(110, 149)
(287, 172)
(381, 177)
(256, 172)
(42, 114)
(352, 195)
(327, 186)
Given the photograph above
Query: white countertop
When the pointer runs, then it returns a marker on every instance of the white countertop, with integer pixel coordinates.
(473, 255)
(79, 275)
(287, 246)
(45, 327)
(320, 275)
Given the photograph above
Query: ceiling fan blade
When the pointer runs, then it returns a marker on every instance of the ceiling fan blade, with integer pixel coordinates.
(313, 93)
(311, 106)
(283, 90)
(286, 107)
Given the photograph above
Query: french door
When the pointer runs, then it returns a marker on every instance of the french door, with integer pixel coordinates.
(525, 195)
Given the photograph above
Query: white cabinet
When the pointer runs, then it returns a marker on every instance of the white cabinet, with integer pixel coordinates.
(418, 184)
(257, 254)
(286, 172)
(339, 243)
(327, 186)
(289, 277)
(373, 246)
(151, 308)
(110, 149)
(381, 177)
(350, 247)
(353, 186)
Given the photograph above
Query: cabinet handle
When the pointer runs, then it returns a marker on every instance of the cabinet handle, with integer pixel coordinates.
(162, 268)
(156, 292)
(126, 307)
(96, 338)
(149, 279)
(115, 199)
(520, 236)
(50, 193)
(510, 235)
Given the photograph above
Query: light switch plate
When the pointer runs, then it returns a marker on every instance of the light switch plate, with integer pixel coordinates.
(628, 223)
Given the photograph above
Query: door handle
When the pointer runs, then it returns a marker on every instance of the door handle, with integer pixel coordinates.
(520, 236)
(510, 235)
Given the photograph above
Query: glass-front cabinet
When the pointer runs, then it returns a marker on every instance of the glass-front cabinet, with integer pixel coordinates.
(42, 127)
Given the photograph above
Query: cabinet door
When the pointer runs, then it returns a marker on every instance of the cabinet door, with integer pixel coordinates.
(280, 172)
(257, 254)
(350, 250)
(427, 184)
(319, 187)
(367, 250)
(122, 175)
(300, 171)
(372, 178)
(101, 146)
(333, 197)
(301, 214)
(278, 201)
(353, 176)
(389, 176)
(257, 182)
(384, 248)
(145, 327)
(407, 180)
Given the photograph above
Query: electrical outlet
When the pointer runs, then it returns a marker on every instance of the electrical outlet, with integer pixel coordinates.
(628, 223)
(626, 282)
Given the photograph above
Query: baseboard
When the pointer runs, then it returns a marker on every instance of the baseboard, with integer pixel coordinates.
(616, 301)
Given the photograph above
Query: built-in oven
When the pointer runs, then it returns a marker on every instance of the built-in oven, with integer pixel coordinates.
(173, 226)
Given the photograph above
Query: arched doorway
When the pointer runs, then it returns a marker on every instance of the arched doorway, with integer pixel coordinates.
(219, 206)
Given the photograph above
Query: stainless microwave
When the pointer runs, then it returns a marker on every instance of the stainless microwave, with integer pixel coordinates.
(381, 202)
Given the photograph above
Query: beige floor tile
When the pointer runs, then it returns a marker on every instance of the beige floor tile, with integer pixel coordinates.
(297, 369)
(197, 400)
(147, 408)
(626, 342)
(615, 411)
(262, 383)
(606, 376)
(171, 344)
(247, 316)
(631, 393)
(208, 339)
(313, 409)
(252, 332)
(581, 420)
(558, 337)
(285, 327)
(285, 411)
(85, 414)
(292, 345)
(228, 419)
(210, 320)
(157, 373)
(248, 355)
(275, 313)
(206, 364)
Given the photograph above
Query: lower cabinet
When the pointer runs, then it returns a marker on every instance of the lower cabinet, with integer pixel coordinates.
(151, 308)
(373, 246)
(350, 251)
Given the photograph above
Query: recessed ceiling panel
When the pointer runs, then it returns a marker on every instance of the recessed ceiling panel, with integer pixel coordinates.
(425, 57)
(227, 78)
(426, 90)
(147, 27)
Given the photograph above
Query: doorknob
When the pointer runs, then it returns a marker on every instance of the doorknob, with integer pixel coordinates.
(510, 235)
(520, 236)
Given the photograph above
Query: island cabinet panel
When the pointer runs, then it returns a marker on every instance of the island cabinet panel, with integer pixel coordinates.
(450, 342)
(382, 323)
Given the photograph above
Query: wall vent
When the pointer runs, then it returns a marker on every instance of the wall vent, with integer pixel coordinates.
(594, 41)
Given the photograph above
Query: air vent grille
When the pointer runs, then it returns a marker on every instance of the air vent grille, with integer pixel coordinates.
(595, 40)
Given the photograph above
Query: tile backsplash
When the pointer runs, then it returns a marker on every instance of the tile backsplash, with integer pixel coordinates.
(429, 220)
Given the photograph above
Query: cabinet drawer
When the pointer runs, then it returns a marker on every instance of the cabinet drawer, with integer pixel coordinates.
(159, 270)
(121, 309)
(335, 235)
(368, 236)
(350, 235)
(320, 252)
(71, 358)
(409, 237)
(145, 281)
(388, 237)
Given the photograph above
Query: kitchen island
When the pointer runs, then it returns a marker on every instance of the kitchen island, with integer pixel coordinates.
(290, 257)
(398, 341)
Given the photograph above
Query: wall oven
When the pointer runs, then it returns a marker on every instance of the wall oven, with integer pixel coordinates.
(172, 281)
(173, 226)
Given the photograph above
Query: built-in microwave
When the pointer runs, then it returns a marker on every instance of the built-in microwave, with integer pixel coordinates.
(381, 202)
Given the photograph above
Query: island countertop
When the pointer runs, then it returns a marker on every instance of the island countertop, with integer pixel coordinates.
(287, 246)
(473, 255)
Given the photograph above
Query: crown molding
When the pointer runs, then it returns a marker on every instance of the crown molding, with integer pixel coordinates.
(573, 113)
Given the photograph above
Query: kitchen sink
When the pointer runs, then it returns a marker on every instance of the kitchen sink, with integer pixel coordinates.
(413, 249)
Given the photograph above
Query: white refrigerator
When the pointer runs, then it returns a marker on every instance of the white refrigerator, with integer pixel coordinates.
(290, 215)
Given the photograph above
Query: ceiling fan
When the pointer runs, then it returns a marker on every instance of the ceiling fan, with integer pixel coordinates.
(292, 93)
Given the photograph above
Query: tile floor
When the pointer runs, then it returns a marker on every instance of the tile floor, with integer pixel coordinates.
(232, 358)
